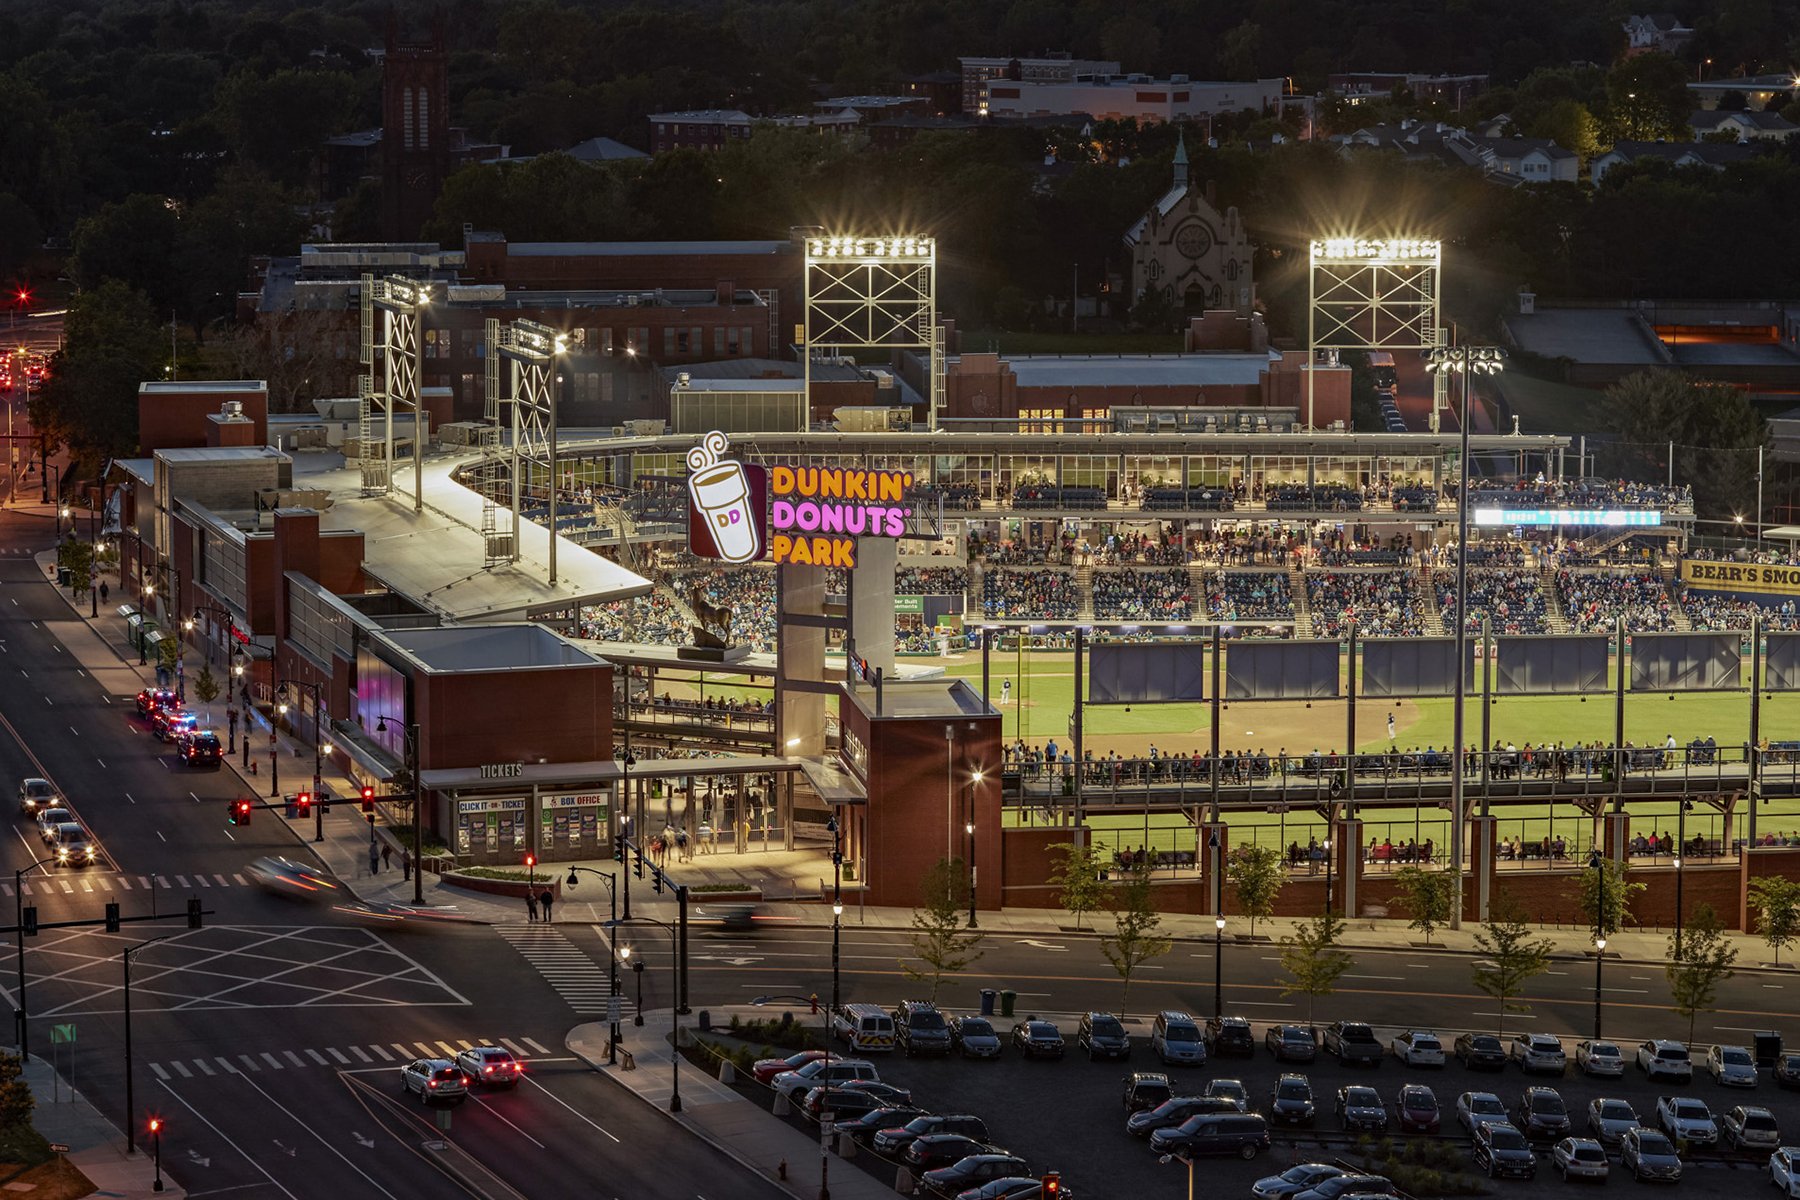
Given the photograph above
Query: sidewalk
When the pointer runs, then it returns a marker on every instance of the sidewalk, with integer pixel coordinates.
(96, 1147)
(743, 1131)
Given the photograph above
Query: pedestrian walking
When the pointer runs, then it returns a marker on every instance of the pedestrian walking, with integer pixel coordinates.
(374, 860)
(387, 855)
(406, 864)
(681, 846)
(544, 900)
(103, 591)
(531, 904)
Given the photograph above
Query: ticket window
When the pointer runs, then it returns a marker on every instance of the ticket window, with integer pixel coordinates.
(492, 832)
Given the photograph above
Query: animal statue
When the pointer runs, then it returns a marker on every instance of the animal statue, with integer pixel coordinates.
(714, 630)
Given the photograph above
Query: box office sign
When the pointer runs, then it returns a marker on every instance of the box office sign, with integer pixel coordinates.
(742, 513)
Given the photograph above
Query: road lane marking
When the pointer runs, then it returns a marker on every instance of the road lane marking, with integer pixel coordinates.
(518, 1050)
(160, 1073)
(159, 833)
(223, 882)
(102, 763)
(317, 1057)
(543, 1049)
(294, 1058)
(205, 1066)
(578, 1116)
(448, 1049)
(127, 794)
(405, 1054)
(320, 1139)
(253, 1162)
(360, 1055)
(181, 1070)
(230, 1068)
(1389, 978)
(74, 731)
(274, 1062)
(249, 1062)
(383, 1055)
(496, 1112)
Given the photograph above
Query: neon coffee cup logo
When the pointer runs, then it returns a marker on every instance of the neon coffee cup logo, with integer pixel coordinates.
(724, 503)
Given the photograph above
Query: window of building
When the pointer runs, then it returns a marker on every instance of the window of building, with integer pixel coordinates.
(718, 340)
(669, 341)
(731, 339)
(699, 340)
(681, 340)
(424, 97)
(406, 117)
(1039, 420)
(606, 340)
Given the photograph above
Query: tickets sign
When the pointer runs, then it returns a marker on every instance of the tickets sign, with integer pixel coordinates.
(786, 514)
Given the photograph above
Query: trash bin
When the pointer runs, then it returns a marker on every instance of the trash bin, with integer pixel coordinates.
(987, 1002)
(62, 577)
(1008, 998)
(1768, 1048)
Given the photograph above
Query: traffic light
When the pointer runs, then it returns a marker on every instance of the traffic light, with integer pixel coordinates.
(155, 1126)
(640, 861)
(112, 917)
(239, 813)
(194, 912)
(1050, 1186)
(618, 847)
(368, 799)
(656, 881)
(530, 861)
(29, 920)
(303, 804)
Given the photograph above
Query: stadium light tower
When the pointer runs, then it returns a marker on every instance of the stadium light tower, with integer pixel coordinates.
(1460, 361)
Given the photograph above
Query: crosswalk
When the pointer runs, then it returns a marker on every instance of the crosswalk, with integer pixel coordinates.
(351, 1057)
(73, 882)
(576, 977)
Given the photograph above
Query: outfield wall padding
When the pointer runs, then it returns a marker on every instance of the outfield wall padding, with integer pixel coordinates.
(1307, 670)
(1550, 664)
(1781, 666)
(1413, 666)
(1686, 662)
(1146, 672)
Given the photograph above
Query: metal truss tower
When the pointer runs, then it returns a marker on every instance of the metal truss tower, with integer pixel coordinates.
(395, 358)
(1371, 294)
(531, 350)
(867, 293)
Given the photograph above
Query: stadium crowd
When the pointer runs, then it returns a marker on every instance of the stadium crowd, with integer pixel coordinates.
(1249, 596)
(1593, 601)
(1034, 595)
(931, 581)
(1509, 596)
(1713, 611)
(1384, 603)
(1143, 595)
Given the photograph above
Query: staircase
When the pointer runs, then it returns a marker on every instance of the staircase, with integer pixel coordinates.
(1303, 624)
(1084, 590)
(1434, 616)
(1672, 585)
(1554, 617)
(1197, 589)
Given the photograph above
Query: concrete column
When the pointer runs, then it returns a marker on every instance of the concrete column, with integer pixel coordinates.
(1484, 833)
(799, 715)
(1347, 853)
(1212, 864)
(871, 601)
(1615, 835)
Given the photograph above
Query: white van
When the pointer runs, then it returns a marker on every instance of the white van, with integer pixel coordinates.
(864, 1027)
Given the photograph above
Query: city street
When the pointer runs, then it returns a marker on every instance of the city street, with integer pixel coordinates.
(270, 1040)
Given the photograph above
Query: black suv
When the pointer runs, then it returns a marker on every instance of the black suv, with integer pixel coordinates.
(1102, 1036)
(921, 1029)
(1145, 1090)
(200, 748)
(1242, 1134)
(1480, 1052)
(1353, 1042)
(1291, 1103)
(1230, 1037)
(1542, 1114)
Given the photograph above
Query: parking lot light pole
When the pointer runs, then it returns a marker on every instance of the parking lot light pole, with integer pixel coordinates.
(1218, 966)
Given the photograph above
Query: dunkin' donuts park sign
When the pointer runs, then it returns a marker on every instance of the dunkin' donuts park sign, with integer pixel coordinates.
(740, 512)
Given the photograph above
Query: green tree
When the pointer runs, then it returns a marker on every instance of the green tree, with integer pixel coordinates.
(206, 688)
(1426, 895)
(1135, 939)
(16, 1099)
(1570, 125)
(1647, 98)
(78, 557)
(275, 122)
(88, 403)
(938, 939)
(1240, 49)
(1777, 904)
(1698, 964)
(1078, 875)
(1618, 896)
(1509, 958)
(133, 241)
(1312, 960)
(1257, 875)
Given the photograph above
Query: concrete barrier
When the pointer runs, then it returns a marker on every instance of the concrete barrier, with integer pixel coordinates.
(846, 1145)
(727, 1071)
(782, 1107)
(903, 1181)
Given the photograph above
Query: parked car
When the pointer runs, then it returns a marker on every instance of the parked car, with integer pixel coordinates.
(1339, 1186)
(1598, 1059)
(1145, 1090)
(1731, 1066)
(921, 1029)
(169, 723)
(1102, 1036)
(151, 699)
(1647, 1154)
(1290, 1043)
(796, 1083)
(1478, 1108)
(1480, 1052)
(1417, 1109)
(1539, 1052)
(1580, 1158)
(433, 1079)
(1686, 1119)
(974, 1037)
(1291, 1101)
(895, 1138)
(1542, 1114)
(766, 1069)
(1230, 1037)
(1243, 1134)
(1787, 1071)
(1361, 1108)
(1228, 1089)
(1609, 1119)
(930, 1151)
(36, 795)
(200, 748)
(1175, 1039)
(1010, 1187)
(864, 1128)
(1750, 1128)
(830, 1104)
(887, 1093)
(1033, 1038)
(1419, 1048)
(1171, 1113)
(1293, 1181)
(1499, 1149)
(973, 1171)
(1660, 1057)
(1784, 1170)
(1353, 1042)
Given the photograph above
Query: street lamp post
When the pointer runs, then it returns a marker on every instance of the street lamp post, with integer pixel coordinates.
(409, 733)
(1680, 849)
(675, 1007)
(1599, 868)
(319, 746)
(612, 960)
(130, 1067)
(626, 761)
(1460, 360)
(19, 933)
(1219, 966)
(975, 778)
(143, 643)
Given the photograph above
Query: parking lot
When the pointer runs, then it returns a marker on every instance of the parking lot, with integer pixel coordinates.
(1068, 1116)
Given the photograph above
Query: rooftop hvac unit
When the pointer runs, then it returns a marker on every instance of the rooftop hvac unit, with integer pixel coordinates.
(232, 410)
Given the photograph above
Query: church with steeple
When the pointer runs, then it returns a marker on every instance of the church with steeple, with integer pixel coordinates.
(1198, 258)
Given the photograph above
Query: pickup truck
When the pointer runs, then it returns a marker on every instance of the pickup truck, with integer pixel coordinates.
(1353, 1042)
(1687, 1120)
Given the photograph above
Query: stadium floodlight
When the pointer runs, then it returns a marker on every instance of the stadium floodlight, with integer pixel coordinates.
(1378, 250)
(1481, 360)
(857, 246)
